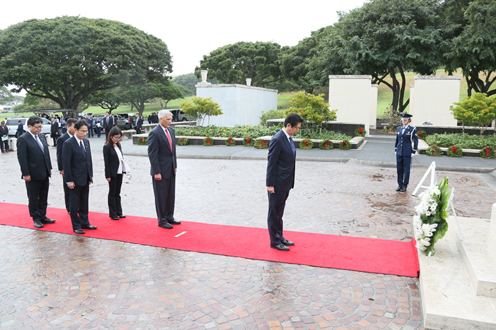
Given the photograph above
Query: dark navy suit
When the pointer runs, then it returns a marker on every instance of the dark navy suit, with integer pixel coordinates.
(281, 176)
(37, 164)
(78, 168)
(89, 120)
(404, 152)
(60, 163)
(163, 161)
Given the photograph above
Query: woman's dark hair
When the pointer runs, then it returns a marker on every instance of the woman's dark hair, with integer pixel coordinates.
(33, 120)
(113, 132)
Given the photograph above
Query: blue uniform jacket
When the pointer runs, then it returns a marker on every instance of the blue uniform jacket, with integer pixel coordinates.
(403, 145)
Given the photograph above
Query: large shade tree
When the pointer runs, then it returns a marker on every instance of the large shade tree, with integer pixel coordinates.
(66, 59)
(473, 43)
(384, 38)
(232, 64)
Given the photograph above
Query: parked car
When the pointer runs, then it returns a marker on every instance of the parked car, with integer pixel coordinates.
(131, 118)
(13, 122)
(179, 115)
(123, 122)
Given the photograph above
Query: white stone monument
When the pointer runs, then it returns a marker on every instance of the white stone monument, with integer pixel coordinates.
(351, 96)
(432, 99)
(240, 104)
(374, 92)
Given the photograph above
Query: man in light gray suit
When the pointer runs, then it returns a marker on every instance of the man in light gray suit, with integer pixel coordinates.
(162, 155)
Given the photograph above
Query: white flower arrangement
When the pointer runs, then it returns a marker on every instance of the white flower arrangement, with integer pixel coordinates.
(431, 225)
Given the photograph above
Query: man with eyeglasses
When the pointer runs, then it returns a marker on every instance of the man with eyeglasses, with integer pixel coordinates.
(78, 174)
(36, 169)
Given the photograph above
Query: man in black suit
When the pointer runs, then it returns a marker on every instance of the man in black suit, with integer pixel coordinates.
(20, 129)
(60, 142)
(4, 135)
(108, 123)
(162, 155)
(78, 173)
(36, 169)
(54, 131)
(139, 123)
(280, 178)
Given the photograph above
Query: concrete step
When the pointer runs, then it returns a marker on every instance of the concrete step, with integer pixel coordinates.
(448, 298)
(478, 252)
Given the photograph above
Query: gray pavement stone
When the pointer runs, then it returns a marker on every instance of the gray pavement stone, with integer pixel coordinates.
(54, 281)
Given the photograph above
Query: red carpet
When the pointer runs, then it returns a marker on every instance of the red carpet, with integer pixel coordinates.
(342, 252)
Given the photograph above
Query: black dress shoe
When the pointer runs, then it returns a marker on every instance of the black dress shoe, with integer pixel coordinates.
(403, 189)
(287, 243)
(47, 221)
(79, 231)
(398, 189)
(280, 247)
(122, 216)
(38, 224)
(114, 218)
(166, 226)
(89, 227)
(174, 222)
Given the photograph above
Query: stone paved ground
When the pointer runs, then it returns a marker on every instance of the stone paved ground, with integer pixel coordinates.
(57, 281)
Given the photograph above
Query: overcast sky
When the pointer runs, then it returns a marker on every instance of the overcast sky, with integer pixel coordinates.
(194, 28)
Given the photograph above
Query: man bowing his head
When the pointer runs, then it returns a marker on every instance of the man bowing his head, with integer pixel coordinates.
(280, 178)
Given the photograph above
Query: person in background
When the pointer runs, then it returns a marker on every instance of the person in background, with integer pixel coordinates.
(20, 129)
(54, 131)
(4, 137)
(139, 123)
(406, 135)
(36, 169)
(98, 126)
(60, 143)
(63, 125)
(89, 119)
(115, 167)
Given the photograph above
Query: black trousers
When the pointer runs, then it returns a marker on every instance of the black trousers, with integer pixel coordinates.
(403, 165)
(114, 196)
(5, 145)
(277, 203)
(138, 130)
(165, 196)
(79, 206)
(37, 195)
(66, 195)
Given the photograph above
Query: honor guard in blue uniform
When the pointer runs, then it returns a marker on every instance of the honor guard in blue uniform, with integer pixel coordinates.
(406, 136)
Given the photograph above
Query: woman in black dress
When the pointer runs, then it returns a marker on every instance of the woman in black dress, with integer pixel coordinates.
(114, 168)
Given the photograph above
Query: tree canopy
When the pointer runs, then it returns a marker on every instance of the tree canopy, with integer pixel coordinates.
(382, 38)
(232, 64)
(473, 46)
(66, 59)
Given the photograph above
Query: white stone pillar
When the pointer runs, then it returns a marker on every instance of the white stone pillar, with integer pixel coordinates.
(433, 97)
(412, 98)
(374, 91)
(350, 95)
(248, 81)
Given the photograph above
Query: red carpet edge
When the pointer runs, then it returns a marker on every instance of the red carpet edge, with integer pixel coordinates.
(330, 251)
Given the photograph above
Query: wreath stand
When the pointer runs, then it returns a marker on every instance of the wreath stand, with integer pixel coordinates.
(432, 171)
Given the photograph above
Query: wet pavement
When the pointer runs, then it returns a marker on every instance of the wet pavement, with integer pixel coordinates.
(57, 281)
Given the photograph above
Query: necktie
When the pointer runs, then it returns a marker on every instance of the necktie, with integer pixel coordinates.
(39, 142)
(292, 146)
(82, 149)
(169, 138)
